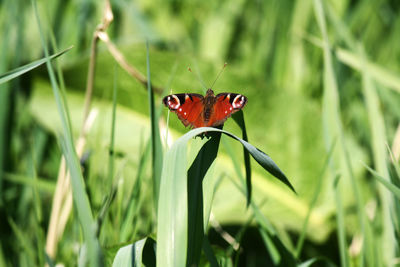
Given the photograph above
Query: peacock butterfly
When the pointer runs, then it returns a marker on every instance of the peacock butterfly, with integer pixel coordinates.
(211, 110)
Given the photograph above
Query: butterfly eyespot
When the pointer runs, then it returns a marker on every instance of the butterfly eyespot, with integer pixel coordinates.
(238, 101)
(173, 103)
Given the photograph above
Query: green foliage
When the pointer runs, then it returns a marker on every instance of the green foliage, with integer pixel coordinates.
(322, 79)
(181, 192)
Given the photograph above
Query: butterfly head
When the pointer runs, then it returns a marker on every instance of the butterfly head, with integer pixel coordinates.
(210, 92)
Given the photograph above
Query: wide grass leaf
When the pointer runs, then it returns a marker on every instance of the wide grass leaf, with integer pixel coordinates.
(196, 175)
(138, 254)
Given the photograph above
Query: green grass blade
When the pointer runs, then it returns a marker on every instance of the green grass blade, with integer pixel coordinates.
(333, 126)
(111, 159)
(258, 215)
(12, 74)
(82, 203)
(378, 133)
(157, 154)
(149, 253)
(104, 209)
(172, 216)
(23, 240)
(370, 248)
(127, 227)
(380, 74)
(263, 159)
(278, 251)
(308, 263)
(49, 261)
(135, 254)
(5, 105)
(209, 253)
(78, 187)
(396, 166)
(385, 181)
(269, 244)
(314, 199)
(60, 76)
(239, 119)
(41, 183)
(172, 207)
(195, 176)
(344, 258)
(36, 197)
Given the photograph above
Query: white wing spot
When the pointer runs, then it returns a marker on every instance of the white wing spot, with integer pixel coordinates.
(184, 113)
(236, 102)
(177, 103)
(226, 111)
(180, 109)
(186, 97)
(230, 108)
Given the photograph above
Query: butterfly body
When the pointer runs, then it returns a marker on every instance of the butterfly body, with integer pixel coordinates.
(211, 110)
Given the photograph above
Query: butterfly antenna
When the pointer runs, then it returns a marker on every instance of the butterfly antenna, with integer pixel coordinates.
(219, 74)
(198, 78)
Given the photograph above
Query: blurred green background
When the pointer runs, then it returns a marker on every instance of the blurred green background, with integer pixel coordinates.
(318, 75)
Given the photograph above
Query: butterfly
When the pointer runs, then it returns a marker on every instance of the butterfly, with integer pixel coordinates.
(211, 110)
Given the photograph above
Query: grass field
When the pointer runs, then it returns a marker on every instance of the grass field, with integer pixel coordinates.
(95, 171)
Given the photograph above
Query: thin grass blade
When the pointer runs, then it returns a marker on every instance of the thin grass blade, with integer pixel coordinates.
(157, 153)
(127, 227)
(385, 77)
(80, 197)
(278, 251)
(12, 74)
(318, 188)
(209, 253)
(378, 133)
(385, 181)
(23, 240)
(344, 258)
(5, 105)
(239, 119)
(111, 159)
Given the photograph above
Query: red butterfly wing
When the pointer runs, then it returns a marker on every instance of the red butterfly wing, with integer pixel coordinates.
(188, 107)
(226, 104)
